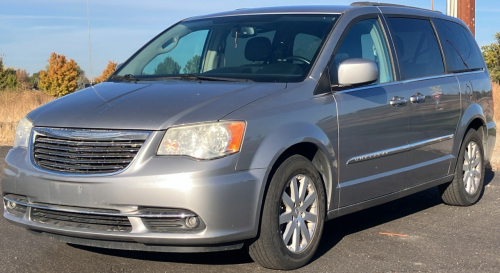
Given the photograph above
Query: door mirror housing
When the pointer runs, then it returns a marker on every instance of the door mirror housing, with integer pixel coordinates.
(357, 71)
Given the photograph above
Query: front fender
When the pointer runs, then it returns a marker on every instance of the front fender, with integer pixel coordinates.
(283, 137)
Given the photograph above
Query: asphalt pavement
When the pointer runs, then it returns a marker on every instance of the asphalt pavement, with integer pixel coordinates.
(417, 233)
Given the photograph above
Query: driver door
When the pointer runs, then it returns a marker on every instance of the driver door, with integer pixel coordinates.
(372, 131)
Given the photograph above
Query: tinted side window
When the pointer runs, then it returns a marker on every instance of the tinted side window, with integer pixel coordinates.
(417, 48)
(365, 40)
(460, 51)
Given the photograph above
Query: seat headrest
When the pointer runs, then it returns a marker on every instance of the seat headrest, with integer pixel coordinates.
(258, 49)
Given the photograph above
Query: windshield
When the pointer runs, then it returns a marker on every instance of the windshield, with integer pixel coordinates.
(261, 48)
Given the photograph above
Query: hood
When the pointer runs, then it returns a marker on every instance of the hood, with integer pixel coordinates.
(149, 105)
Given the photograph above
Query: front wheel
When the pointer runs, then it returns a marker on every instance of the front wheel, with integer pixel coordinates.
(468, 184)
(292, 218)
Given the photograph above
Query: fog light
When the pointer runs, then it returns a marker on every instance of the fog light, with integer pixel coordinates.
(192, 222)
(11, 205)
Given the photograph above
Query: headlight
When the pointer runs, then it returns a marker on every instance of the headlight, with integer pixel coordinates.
(23, 131)
(203, 141)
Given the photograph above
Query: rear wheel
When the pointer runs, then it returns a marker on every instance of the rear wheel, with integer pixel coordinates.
(292, 217)
(468, 184)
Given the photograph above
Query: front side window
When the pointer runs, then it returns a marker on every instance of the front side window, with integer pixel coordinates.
(364, 40)
(460, 50)
(417, 48)
(264, 48)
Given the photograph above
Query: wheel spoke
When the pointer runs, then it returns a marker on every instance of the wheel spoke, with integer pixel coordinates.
(474, 151)
(309, 217)
(467, 181)
(303, 188)
(465, 168)
(476, 173)
(305, 231)
(287, 200)
(294, 190)
(287, 234)
(285, 217)
(309, 200)
(466, 154)
(296, 238)
(476, 162)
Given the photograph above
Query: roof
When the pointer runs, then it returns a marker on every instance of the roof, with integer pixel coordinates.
(285, 9)
(322, 9)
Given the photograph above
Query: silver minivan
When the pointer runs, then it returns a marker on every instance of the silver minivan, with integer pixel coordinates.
(250, 128)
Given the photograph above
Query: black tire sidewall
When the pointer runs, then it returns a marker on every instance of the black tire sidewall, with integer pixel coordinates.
(293, 166)
(472, 135)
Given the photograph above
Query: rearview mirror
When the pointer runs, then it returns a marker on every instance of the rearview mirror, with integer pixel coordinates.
(357, 72)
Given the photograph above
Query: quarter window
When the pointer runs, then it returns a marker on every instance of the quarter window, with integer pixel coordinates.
(460, 51)
(365, 40)
(417, 48)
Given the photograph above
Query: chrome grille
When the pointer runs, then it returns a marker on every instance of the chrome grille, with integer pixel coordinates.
(85, 151)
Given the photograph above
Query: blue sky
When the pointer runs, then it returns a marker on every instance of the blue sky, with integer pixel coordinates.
(31, 29)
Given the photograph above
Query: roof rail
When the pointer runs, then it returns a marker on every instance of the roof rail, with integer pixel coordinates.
(376, 4)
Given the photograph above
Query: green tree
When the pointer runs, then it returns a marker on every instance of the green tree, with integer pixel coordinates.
(34, 79)
(491, 55)
(61, 76)
(7, 77)
(192, 65)
(168, 66)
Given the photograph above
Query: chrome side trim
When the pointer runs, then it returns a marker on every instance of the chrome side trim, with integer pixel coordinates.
(90, 212)
(397, 150)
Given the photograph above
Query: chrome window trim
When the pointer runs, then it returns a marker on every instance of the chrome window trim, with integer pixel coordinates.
(90, 212)
(397, 150)
(88, 134)
(408, 81)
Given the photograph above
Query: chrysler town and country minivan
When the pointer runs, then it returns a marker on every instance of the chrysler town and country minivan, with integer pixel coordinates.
(251, 128)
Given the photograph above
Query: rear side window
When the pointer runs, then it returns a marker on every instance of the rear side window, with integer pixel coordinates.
(417, 48)
(460, 50)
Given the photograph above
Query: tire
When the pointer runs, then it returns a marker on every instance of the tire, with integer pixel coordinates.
(270, 249)
(467, 186)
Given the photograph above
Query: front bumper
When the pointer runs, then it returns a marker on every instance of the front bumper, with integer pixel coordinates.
(226, 201)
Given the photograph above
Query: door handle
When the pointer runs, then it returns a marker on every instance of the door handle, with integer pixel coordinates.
(398, 101)
(417, 98)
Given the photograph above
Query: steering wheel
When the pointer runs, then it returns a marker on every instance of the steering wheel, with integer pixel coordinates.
(298, 58)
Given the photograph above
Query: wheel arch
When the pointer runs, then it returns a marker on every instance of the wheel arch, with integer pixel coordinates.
(303, 139)
(473, 117)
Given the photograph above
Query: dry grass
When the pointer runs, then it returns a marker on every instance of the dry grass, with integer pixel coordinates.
(496, 101)
(13, 106)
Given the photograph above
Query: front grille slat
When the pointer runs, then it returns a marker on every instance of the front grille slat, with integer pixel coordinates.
(84, 155)
(83, 161)
(86, 149)
(88, 143)
(99, 152)
(81, 220)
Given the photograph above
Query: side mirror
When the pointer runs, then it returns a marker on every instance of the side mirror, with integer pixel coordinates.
(357, 71)
(118, 66)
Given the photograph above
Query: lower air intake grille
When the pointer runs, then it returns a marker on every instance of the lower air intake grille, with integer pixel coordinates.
(81, 221)
(85, 151)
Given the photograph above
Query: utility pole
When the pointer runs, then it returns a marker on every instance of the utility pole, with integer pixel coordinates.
(465, 10)
(467, 13)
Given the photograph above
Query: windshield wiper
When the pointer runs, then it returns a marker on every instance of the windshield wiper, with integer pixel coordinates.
(127, 77)
(209, 78)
